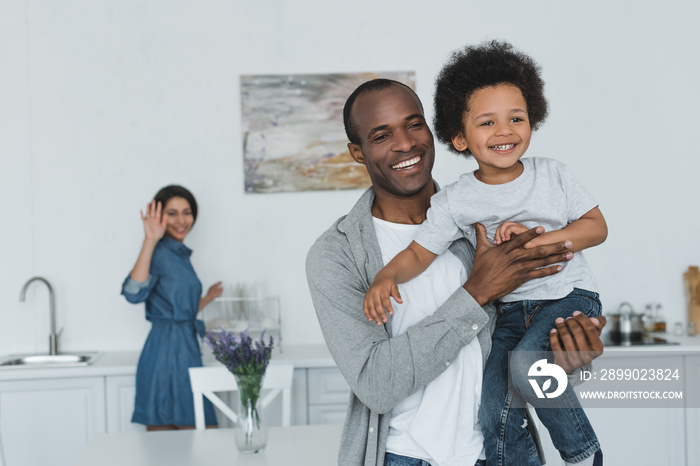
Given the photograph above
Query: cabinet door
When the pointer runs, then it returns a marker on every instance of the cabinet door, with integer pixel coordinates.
(327, 414)
(300, 415)
(48, 422)
(121, 391)
(328, 396)
(691, 391)
(327, 386)
(653, 435)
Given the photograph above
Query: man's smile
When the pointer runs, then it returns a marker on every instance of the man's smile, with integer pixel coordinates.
(407, 163)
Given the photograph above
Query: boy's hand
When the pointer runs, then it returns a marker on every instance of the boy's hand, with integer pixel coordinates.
(507, 230)
(378, 297)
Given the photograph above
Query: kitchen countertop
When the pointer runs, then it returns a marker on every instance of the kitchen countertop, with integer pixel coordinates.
(124, 363)
(687, 345)
(112, 363)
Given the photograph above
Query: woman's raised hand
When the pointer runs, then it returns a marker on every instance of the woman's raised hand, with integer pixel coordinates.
(214, 292)
(154, 221)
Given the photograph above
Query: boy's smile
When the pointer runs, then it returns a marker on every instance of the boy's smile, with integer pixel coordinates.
(496, 131)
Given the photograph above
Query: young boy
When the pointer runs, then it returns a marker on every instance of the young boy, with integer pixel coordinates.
(488, 100)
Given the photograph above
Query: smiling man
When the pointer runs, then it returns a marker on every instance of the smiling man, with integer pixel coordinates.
(416, 381)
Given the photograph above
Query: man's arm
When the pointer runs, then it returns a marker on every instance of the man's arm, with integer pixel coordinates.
(576, 341)
(382, 371)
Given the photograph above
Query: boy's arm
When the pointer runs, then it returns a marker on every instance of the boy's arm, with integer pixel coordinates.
(406, 265)
(588, 231)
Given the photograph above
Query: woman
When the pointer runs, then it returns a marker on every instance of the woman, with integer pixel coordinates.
(163, 277)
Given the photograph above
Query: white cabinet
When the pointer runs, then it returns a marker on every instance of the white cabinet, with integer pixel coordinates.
(637, 435)
(641, 435)
(692, 393)
(319, 396)
(328, 395)
(60, 409)
(121, 391)
(47, 422)
(300, 410)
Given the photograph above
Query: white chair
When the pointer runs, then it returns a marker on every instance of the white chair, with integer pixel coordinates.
(207, 380)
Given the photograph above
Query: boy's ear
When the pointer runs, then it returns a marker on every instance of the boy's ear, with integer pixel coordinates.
(356, 153)
(459, 142)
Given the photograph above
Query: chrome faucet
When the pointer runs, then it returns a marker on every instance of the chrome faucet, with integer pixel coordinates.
(53, 336)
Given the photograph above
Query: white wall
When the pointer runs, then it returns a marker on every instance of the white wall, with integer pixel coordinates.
(102, 103)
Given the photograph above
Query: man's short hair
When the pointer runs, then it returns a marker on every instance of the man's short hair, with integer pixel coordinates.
(368, 86)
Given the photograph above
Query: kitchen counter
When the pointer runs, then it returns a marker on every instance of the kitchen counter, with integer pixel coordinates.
(124, 363)
(301, 356)
(75, 403)
(685, 346)
(68, 405)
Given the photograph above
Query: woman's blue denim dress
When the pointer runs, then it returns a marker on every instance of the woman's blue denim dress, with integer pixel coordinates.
(171, 293)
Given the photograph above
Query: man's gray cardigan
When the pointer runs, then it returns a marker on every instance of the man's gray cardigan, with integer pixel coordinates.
(382, 370)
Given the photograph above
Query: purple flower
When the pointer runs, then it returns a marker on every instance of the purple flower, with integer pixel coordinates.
(242, 356)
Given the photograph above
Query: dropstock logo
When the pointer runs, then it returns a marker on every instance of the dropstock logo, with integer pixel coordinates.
(542, 368)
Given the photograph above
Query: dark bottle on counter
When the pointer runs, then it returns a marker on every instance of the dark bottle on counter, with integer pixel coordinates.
(660, 320)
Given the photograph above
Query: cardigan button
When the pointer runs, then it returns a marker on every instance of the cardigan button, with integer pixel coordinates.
(474, 326)
(371, 430)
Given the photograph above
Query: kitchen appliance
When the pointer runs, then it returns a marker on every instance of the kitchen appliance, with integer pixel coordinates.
(626, 327)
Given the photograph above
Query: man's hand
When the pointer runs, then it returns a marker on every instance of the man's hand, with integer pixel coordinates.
(498, 270)
(576, 341)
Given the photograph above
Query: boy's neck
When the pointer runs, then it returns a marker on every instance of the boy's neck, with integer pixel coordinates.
(496, 175)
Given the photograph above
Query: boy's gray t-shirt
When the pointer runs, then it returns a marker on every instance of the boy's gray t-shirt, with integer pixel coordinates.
(545, 194)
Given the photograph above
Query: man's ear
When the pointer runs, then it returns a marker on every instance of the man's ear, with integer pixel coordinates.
(356, 152)
(459, 142)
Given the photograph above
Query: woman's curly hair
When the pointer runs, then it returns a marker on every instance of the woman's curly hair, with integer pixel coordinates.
(476, 67)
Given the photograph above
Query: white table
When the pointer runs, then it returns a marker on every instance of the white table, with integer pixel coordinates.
(308, 445)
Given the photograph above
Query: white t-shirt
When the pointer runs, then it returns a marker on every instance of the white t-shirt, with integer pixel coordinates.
(438, 423)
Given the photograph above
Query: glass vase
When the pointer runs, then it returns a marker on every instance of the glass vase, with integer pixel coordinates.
(250, 430)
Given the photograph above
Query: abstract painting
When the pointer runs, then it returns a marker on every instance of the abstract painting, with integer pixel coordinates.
(293, 134)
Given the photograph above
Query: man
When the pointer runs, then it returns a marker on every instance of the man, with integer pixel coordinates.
(416, 381)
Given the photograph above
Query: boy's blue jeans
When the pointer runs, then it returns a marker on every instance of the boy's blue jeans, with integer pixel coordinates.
(392, 459)
(524, 326)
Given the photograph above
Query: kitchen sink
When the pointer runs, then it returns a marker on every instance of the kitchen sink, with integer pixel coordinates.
(41, 361)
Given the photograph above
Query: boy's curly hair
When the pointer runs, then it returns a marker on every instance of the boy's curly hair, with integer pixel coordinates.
(476, 67)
